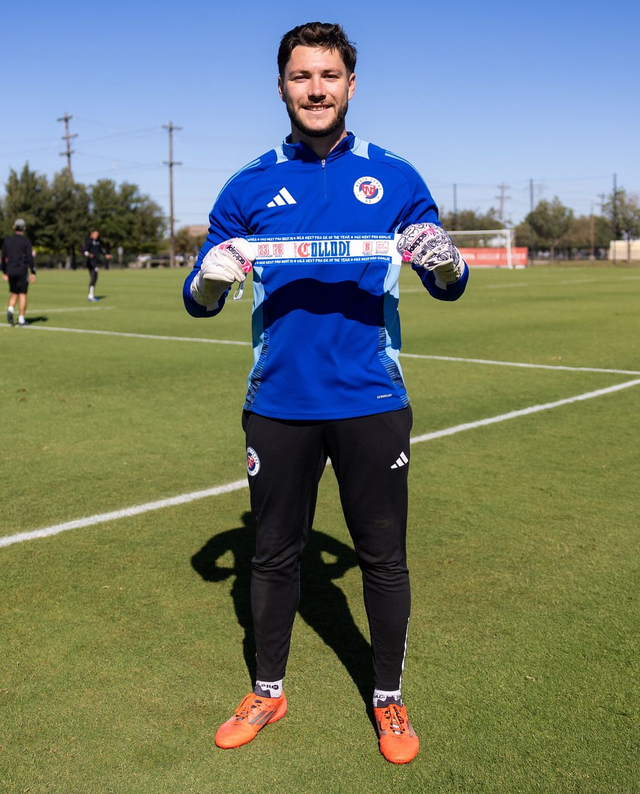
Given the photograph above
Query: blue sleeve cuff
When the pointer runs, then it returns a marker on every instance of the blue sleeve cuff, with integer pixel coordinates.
(195, 309)
(451, 292)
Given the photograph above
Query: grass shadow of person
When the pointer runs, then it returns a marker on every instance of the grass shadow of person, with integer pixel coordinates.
(323, 604)
(325, 608)
(240, 542)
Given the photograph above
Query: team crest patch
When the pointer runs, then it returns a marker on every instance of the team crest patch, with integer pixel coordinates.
(253, 462)
(368, 190)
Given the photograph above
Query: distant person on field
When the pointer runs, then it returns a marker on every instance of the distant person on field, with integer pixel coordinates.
(17, 261)
(96, 255)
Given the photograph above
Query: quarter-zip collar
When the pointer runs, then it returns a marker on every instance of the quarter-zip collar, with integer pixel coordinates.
(300, 150)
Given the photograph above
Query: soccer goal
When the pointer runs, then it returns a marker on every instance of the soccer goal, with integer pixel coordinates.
(489, 248)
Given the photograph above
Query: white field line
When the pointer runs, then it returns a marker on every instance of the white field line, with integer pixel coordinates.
(504, 286)
(125, 513)
(75, 309)
(139, 336)
(239, 484)
(548, 284)
(526, 366)
(534, 409)
(404, 355)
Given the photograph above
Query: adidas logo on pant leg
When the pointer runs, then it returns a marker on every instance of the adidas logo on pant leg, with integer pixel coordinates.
(402, 461)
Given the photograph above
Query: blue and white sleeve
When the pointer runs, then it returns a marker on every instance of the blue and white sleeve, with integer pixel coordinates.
(225, 222)
(421, 208)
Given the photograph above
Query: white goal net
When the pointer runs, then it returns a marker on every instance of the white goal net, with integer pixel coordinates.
(489, 248)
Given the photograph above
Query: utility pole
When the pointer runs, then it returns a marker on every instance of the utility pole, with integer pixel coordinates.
(171, 162)
(592, 233)
(531, 234)
(455, 207)
(614, 215)
(66, 137)
(502, 198)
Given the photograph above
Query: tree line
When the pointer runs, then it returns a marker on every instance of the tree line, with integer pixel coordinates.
(552, 227)
(61, 213)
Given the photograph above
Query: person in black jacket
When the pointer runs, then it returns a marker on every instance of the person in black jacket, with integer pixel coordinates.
(17, 261)
(96, 255)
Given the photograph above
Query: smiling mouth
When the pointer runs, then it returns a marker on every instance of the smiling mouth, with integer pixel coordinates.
(317, 108)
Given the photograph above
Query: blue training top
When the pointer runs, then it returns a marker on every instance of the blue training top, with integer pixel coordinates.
(326, 336)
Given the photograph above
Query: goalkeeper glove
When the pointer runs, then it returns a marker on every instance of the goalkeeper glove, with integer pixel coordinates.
(225, 263)
(428, 246)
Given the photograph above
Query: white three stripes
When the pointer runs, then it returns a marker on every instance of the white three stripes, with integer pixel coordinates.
(283, 197)
(402, 461)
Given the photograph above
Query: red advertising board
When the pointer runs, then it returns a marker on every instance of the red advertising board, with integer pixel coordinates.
(494, 257)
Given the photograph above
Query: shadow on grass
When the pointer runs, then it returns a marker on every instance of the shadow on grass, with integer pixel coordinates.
(40, 319)
(323, 605)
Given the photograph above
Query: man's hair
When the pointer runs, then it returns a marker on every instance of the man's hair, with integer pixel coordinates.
(317, 34)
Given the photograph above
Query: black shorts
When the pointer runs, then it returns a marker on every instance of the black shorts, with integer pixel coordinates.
(18, 285)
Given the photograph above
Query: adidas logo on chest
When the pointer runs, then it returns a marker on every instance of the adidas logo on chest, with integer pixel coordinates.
(282, 198)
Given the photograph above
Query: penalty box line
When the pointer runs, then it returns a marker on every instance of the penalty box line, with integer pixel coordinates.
(148, 507)
(519, 364)
(402, 355)
(137, 336)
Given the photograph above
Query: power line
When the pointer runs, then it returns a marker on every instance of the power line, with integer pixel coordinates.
(141, 133)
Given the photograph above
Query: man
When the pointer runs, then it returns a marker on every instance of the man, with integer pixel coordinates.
(326, 381)
(96, 254)
(17, 261)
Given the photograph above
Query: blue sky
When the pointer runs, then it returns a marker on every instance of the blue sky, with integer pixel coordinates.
(475, 95)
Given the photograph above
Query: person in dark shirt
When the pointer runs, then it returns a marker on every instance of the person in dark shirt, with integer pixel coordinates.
(17, 261)
(96, 255)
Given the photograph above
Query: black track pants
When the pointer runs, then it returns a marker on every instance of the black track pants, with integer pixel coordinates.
(370, 458)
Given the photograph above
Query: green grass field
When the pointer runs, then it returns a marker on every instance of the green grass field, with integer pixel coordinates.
(124, 643)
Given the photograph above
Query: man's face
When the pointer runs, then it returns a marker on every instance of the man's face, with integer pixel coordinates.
(94, 235)
(316, 89)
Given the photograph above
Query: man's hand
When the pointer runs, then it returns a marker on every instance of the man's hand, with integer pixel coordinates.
(429, 246)
(225, 263)
(32, 278)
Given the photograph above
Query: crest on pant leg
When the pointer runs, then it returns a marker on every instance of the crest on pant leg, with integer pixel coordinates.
(253, 462)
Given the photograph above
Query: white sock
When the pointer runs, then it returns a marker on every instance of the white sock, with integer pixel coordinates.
(10, 309)
(386, 696)
(91, 292)
(271, 689)
(21, 319)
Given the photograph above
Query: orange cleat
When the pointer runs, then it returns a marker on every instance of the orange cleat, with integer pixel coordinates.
(251, 715)
(398, 741)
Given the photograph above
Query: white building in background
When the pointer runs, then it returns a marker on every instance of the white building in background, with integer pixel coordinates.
(624, 250)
